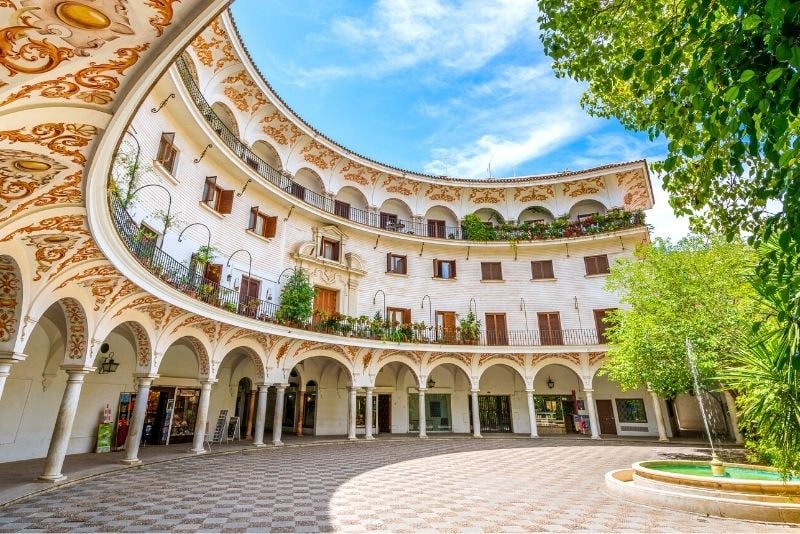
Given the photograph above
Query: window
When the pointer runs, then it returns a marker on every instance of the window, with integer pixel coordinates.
(262, 224)
(542, 270)
(398, 316)
(491, 270)
(167, 153)
(601, 323)
(496, 333)
(550, 328)
(436, 229)
(596, 264)
(216, 198)
(631, 411)
(329, 249)
(446, 326)
(395, 264)
(445, 269)
(341, 209)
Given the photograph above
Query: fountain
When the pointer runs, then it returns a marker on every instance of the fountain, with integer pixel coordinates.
(711, 488)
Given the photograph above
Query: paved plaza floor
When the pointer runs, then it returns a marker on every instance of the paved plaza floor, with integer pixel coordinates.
(452, 485)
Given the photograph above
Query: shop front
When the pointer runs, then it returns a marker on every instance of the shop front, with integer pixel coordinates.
(170, 416)
(438, 414)
(556, 414)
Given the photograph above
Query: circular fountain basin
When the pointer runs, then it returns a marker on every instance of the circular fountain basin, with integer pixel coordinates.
(745, 492)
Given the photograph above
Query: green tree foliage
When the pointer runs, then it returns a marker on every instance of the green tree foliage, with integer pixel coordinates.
(765, 371)
(695, 289)
(297, 299)
(717, 78)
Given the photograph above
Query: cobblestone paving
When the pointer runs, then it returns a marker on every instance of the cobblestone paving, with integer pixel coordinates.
(490, 485)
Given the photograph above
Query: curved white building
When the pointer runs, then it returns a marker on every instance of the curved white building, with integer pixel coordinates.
(99, 302)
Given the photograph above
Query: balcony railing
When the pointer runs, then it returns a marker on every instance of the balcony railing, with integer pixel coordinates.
(191, 282)
(559, 228)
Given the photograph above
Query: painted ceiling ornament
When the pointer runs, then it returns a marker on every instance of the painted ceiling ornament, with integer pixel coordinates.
(76, 328)
(636, 195)
(86, 251)
(353, 172)
(60, 138)
(321, 156)
(143, 348)
(10, 289)
(50, 249)
(85, 24)
(401, 186)
(241, 96)
(23, 172)
(164, 16)
(65, 191)
(278, 127)
(443, 193)
(65, 224)
(126, 289)
(588, 186)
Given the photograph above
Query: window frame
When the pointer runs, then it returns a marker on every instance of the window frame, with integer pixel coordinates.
(593, 268)
(437, 271)
(268, 222)
(390, 258)
(492, 268)
(167, 155)
(335, 248)
(544, 271)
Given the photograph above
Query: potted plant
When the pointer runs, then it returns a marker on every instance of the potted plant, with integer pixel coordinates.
(297, 299)
(469, 329)
(204, 291)
(204, 255)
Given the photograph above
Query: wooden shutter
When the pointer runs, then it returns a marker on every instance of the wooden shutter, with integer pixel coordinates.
(436, 268)
(225, 204)
(547, 269)
(270, 226)
(210, 188)
(536, 270)
(453, 264)
(406, 316)
(601, 324)
(388, 262)
(253, 218)
(336, 251)
(602, 264)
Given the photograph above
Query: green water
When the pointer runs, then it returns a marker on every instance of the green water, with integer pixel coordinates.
(704, 470)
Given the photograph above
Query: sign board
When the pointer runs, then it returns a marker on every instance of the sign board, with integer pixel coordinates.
(104, 433)
(219, 431)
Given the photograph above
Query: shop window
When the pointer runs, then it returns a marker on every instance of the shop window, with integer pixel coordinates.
(437, 412)
(167, 155)
(491, 270)
(601, 321)
(596, 264)
(542, 270)
(631, 411)
(396, 264)
(398, 316)
(329, 249)
(262, 224)
(216, 198)
(444, 269)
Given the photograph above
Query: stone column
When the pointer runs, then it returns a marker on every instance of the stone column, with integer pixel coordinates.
(137, 421)
(592, 413)
(202, 418)
(368, 414)
(662, 430)
(59, 443)
(251, 405)
(261, 416)
(423, 424)
(733, 419)
(277, 418)
(351, 410)
(476, 415)
(532, 413)
(6, 361)
(301, 411)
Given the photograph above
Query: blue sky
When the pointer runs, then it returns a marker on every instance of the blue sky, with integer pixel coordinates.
(444, 87)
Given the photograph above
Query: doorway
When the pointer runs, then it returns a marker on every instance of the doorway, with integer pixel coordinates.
(385, 413)
(496, 333)
(605, 417)
(325, 300)
(495, 413)
(249, 291)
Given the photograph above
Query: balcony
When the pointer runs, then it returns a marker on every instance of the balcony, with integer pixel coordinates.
(560, 228)
(193, 284)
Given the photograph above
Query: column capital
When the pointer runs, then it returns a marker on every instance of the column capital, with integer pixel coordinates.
(369, 389)
(422, 390)
(531, 390)
(588, 391)
(263, 387)
(207, 383)
(474, 391)
(281, 387)
(12, 357)
(78, 370)
(140, 376)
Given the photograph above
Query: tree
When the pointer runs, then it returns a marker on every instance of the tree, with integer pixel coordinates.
(766, 369)
(696, 289)
(717, 78)
(297, 299)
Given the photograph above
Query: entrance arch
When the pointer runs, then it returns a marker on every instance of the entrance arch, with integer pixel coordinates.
(396, 397)
(559, 396)
(501, 399)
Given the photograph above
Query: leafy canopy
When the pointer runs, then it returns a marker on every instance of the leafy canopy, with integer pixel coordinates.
(695, 289)
(717, 78)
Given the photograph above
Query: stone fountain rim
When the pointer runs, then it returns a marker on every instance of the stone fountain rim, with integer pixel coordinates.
(725, 481)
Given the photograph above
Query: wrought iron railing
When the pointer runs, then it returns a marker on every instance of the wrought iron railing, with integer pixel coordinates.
(423, 228)
(190, 280)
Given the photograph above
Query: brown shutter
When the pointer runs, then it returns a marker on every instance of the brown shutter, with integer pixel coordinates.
(253, 218)
(435, 268)
(208, 192)
(270, 226)
(336, 251)
(602, 266)
(536, 270)
(591, 267)
(406, 316)
(486, 271)
(453, 263)
(225, 201)
(547, 271)
(388, 262)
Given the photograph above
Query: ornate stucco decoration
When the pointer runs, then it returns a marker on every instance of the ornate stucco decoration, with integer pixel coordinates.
(23, 172)
(538, 193)
(354, 172)
(636, 195)
(401, 186)
(213, 47)
(443, 193)
(10, 299)
(584, 187)
(279, 128)
(243, 92)
(491, 195)
(322, 157)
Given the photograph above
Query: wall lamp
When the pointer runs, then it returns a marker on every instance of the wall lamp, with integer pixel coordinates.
(108, 365)
(550, 383)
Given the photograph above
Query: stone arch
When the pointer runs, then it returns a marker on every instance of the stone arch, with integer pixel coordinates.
(491, 362)
(395, 206)
(268, 154)
(77, 329)
(565, 369)
(395, 358)
(11, 298)
(144, 347)
(543, 360)
(249, 353)
(442, 213)
(335, 355)
(353, 196)
(536, 213)
(200, 352)
(489, 215)
(453, 361)
(310, 179)
(587, 207)
(226, 116)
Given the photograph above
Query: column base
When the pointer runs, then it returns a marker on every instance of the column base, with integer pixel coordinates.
(51, 478)
(476, 436)
(126, 461)
(663, 440)
(259, 445)
(369, 437)
(595, 437)
(352, 438)
(423, 437)
(198, 451)
(277, 443)
(534, 436)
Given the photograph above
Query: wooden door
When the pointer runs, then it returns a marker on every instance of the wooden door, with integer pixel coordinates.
(213, 272)
(496, 333)
(605, 417)
(325, 300)
(601, 324)
(550, 328)
(446, 325)
(249, 291)
(342, 209)
(385, 413)
(436, 228)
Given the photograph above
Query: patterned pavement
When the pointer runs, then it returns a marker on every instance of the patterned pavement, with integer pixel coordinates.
(451, 485)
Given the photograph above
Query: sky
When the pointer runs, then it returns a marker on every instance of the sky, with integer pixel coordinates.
(461, 88)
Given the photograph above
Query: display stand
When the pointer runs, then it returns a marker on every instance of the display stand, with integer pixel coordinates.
(219, 430)
(234, 432)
